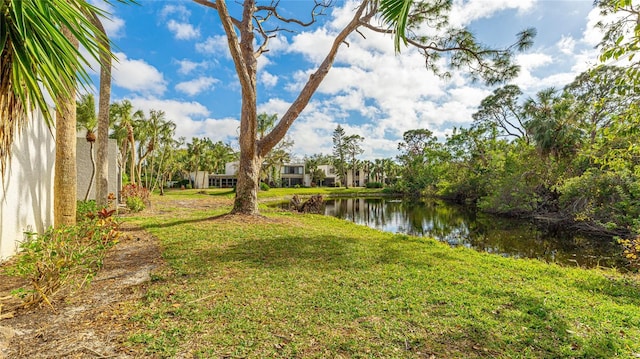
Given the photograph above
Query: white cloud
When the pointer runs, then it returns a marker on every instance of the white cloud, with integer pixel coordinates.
(186, 115)
(180, 10)
(267, 79)
(464, 12)
(196, 86)
(566, 45)
(187, 66)
(113, 25)
(183, 31)
(214, 45)
(137, 75)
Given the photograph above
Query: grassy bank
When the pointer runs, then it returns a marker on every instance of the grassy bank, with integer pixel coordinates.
(312, 286)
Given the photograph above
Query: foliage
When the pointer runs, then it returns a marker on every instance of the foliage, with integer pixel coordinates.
(132, 190)
(632, 251)
(374, 185)
(264, 186)
(64, 258)
(85, 209)
(38, 59)
(340, 153)
(135, 197)
(135, 204)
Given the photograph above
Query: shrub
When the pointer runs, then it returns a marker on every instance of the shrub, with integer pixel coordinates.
(135, 204)
(63, 258)
(85, 208)
(135, 197)
(264, 186)
(132, 190)
(631, 251)
(374, 185)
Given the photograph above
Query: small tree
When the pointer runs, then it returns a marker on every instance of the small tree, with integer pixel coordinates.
(340, 154)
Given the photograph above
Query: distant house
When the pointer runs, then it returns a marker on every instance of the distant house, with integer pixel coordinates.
(332, 178)
(291, 175)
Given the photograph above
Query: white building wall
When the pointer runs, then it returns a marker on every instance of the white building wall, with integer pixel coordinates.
(26, 199)
(85, 167)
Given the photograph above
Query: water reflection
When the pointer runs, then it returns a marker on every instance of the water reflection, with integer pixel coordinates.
(458, 225)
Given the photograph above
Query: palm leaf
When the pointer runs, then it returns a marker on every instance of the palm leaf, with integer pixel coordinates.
(396, 14)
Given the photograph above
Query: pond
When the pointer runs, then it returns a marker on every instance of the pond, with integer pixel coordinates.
(460, 226)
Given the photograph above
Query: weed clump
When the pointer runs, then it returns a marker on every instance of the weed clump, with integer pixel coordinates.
(65, 258)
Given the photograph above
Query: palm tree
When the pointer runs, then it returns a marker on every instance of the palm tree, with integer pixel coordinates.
(39, 52)
(87, 120)
(266, 123)
(123, 118)
(37, 57)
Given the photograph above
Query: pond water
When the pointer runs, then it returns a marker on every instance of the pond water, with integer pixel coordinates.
(460, 226)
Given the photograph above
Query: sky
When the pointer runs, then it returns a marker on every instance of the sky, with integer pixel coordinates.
(172, 56)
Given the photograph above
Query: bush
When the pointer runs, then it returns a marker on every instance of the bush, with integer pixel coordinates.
(63, 258)
(374, 185)
(135, 197)
(85, 208)
(181, 184)
(132, 190)
(264, 186)
(135, 204)
(632, 251)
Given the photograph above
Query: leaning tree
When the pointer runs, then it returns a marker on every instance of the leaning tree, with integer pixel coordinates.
(250, 25)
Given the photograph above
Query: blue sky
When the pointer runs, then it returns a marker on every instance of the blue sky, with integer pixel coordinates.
(173, 57)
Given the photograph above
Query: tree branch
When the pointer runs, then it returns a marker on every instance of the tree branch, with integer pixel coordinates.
(270, 140)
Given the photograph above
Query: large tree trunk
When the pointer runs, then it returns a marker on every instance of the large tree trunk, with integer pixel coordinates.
(246, 201)
(65, 179)
(102, 141)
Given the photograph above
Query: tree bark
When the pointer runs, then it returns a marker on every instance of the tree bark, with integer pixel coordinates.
(65, 178)
(102, 140)
(246, 201)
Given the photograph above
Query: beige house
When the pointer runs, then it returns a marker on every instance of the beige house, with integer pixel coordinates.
(332, 179)
(291, 174)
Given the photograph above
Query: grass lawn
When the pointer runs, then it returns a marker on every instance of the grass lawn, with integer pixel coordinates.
(310, 286)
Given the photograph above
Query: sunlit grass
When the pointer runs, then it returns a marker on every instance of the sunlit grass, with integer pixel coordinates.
(291, 285)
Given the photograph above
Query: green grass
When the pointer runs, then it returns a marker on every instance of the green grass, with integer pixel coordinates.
(311, 286)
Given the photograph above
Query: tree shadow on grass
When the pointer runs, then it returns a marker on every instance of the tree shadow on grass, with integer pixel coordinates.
(222, 194)
(320, 252)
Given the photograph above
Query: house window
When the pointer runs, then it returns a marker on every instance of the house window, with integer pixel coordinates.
(293, 170)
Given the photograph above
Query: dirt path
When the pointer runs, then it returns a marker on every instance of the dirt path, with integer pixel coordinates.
(90, 324)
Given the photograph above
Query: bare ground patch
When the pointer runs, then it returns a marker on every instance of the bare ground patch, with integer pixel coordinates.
(90, 323)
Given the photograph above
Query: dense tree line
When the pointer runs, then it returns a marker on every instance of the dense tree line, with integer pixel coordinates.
(569, 155)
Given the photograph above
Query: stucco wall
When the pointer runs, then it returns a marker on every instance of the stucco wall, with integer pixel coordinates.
(26, 200)
(84, 168)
